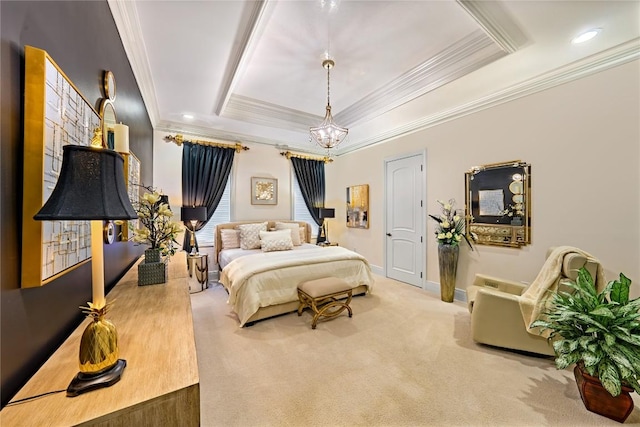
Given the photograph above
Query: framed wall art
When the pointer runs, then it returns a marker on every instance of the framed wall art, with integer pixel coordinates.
(498, 203)
(55, 114)
(358, 206)
(264, 191)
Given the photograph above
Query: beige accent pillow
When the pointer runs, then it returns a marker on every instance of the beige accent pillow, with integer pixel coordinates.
(230, 238)
(295, 231)
(250, 235)
(303, 235)
(276, 240)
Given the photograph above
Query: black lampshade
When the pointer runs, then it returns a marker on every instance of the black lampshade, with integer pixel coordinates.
(90, 187)
(326, 213)
(196, 213)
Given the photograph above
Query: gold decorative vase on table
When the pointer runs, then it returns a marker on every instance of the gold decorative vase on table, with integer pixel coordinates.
(448, 262)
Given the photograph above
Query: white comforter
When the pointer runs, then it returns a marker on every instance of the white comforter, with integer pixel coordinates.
(264, 279)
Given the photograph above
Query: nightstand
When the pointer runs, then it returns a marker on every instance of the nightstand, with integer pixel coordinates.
(198, 266)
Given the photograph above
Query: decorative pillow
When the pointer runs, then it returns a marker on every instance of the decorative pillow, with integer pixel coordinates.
(295, 234)
(230, 238)
(303, 237)
(250, 235)
(276, 240)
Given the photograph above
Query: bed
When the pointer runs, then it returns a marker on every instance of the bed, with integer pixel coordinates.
(264, 284)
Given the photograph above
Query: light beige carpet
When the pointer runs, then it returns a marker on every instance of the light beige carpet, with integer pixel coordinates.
(405, 358)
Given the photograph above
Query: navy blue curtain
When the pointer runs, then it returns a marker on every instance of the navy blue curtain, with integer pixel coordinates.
(205, 172)
(310, 175)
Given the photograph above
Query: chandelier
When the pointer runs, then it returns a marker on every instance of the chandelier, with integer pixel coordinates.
(328, 135)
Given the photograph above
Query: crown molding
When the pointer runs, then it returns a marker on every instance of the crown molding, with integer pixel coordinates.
(602, 61)
(496, 22)
(466, 55)
(263, 113)
(240, 55)
(126, 18)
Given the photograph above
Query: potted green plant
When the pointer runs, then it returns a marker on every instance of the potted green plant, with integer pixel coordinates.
(600, 333)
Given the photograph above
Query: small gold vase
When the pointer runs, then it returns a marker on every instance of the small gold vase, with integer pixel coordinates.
(98, 346)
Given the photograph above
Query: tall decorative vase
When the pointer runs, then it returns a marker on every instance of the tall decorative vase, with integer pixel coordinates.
(448, 261)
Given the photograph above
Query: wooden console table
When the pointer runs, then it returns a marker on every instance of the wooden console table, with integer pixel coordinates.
(160, 385)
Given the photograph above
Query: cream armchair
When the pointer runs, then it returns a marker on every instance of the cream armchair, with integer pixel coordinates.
(497, 317)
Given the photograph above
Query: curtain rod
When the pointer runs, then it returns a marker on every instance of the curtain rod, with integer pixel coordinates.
(289, 154)
(179, 139)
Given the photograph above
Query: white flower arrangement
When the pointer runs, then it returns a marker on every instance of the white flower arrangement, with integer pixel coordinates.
(451, 226)
(160, 231)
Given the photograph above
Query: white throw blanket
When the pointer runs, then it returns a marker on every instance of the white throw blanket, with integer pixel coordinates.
(264, 279)
(539, 295)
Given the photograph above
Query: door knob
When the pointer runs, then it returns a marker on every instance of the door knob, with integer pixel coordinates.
(389, 234)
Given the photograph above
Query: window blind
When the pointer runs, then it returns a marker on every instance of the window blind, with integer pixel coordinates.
(206, 236)
(300, 211)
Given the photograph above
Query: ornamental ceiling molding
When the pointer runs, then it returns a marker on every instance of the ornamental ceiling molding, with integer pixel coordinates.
(126, 18)
(619, 55)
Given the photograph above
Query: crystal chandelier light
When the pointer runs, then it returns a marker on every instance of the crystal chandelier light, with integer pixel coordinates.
(328, 135)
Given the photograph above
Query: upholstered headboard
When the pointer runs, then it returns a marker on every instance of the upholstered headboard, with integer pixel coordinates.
(270, 224)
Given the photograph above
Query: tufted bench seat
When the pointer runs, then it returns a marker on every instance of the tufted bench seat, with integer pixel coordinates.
(321, 295)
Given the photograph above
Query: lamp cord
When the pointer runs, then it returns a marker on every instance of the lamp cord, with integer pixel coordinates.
(15, 402)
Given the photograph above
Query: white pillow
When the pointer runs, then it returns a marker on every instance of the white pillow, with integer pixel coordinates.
(250, 235)
(295, 234)
(230, 238)
(276, 240)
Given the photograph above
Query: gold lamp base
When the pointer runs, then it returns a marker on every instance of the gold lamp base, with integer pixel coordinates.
(83, 383)
(99, 363)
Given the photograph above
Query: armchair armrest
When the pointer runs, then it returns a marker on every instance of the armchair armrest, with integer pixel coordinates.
(496, 320)
(484, 281)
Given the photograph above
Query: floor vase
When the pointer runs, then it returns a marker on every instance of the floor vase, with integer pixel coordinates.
(448, 261)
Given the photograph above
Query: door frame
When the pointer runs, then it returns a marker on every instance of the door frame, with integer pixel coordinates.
(423, 154)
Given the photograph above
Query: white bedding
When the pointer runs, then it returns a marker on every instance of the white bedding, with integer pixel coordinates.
(269, 278)
(228, 255)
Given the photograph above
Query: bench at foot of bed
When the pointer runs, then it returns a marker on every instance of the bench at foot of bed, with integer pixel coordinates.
(321, 295)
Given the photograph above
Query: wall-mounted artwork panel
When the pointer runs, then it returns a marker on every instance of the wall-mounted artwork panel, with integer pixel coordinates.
(55, 114)
(132, 178)
(358, 206)
(498, 203)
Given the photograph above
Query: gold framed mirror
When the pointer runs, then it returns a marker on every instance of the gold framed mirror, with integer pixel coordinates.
(498, 203)
(109, 120)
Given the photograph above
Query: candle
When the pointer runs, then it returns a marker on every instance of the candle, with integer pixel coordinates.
(121, 138)
(97, 264)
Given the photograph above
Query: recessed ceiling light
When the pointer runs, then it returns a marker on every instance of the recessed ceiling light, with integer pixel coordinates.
(587, 35)
(187, 116)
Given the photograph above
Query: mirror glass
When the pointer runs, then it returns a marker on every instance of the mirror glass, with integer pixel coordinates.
(498, 203)
(108, 114)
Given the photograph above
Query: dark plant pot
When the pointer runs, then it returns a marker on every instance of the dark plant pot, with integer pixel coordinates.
(598, 400)
(152, 270)
(152, 255)
(448, 262)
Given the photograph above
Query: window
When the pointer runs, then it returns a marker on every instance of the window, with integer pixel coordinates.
(206, 236)
(300, 211)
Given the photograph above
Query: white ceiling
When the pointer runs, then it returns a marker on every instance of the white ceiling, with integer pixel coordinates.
(251, 71)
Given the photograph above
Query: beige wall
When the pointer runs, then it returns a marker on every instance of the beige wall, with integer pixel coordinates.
(583, 142)
(581, 138)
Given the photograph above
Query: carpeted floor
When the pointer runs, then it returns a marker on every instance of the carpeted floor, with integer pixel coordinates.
(405, 358)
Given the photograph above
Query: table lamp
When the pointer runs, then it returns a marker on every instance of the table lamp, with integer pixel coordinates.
(193, 215)
(324, 213)
(91, 187)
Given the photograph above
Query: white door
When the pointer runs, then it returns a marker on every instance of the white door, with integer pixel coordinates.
(404, 219)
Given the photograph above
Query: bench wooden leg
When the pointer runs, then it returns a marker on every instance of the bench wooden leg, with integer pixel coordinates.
(326, 306)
